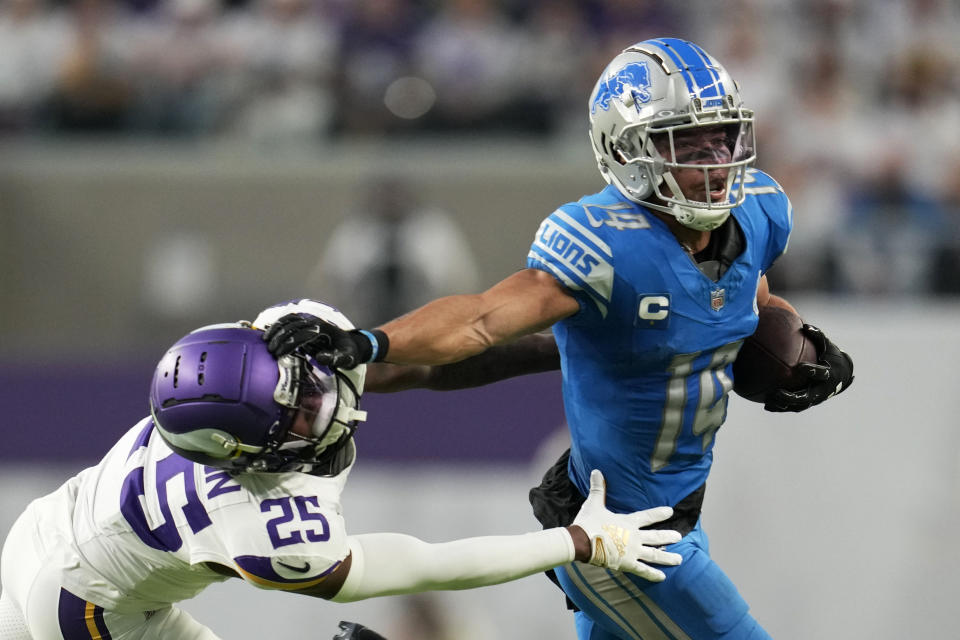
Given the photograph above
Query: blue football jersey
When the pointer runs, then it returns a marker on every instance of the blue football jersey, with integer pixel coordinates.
(647, 361)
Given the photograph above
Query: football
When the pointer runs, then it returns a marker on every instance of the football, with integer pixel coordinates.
(768, 358)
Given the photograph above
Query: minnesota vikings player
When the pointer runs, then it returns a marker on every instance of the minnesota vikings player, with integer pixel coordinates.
(238, 473)
(651, 285)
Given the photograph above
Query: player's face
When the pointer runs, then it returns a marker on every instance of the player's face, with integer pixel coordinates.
(313, 414)
(317, 394)
(303, 423)
(702, 146)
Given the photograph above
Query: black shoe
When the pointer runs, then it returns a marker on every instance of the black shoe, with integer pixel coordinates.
(355, 631)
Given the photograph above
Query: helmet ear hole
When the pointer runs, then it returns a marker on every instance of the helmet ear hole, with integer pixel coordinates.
(606, 143)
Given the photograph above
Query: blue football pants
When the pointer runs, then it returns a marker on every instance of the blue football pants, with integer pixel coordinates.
(697, 601)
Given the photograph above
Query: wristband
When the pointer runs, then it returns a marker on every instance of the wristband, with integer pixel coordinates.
(379, 344)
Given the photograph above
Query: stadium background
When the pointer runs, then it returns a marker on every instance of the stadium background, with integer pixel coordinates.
(139, 200)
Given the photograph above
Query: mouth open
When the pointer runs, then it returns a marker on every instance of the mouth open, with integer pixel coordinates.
(718, 189)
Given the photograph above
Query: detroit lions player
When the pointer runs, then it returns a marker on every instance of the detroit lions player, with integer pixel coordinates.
(651, 285)
(238, 473)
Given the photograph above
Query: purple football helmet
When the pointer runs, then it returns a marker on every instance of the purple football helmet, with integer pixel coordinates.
(219, 398)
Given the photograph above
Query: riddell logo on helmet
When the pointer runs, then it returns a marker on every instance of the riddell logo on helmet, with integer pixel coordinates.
(634, 77)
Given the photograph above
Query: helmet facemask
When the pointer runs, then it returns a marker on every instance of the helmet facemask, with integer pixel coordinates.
(322, 411)
(662, 149)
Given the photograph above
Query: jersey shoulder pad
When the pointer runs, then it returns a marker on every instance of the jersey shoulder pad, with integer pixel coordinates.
(291, 533)
(770, 197)
(609, 211)
(769, 206)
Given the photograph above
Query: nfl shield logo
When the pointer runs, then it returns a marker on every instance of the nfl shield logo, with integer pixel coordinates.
(717, 299)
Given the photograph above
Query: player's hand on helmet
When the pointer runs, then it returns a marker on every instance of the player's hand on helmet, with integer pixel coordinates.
(832, 374)
(323, 341)
(618, 541)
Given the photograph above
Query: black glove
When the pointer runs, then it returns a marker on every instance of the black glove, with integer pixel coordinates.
(354, 631)
(832, 374)
(324, 341)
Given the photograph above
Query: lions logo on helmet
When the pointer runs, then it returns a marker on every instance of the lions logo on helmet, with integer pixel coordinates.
(634, 76)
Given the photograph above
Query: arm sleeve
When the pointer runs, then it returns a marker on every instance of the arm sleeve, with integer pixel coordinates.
(392, 563)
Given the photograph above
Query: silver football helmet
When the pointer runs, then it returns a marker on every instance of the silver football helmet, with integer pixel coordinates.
(653, 93)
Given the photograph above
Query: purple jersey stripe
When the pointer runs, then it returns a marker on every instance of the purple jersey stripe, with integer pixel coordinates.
(263, 571)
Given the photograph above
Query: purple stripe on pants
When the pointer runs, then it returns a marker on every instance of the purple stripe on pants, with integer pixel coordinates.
(80, 620)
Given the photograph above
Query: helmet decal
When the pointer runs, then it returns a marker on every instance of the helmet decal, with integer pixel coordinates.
(633, 80)
(698, 72)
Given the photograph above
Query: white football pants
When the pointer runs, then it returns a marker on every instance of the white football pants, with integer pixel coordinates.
(33, 603)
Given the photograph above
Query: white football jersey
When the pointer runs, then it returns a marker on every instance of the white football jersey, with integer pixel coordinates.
(133, 532)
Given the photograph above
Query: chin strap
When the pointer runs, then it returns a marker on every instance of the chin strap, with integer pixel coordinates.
(693, 218)
(334, 459)
(229, 443)
(349, 414)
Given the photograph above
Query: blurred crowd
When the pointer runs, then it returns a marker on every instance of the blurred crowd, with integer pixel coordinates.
(858, 101)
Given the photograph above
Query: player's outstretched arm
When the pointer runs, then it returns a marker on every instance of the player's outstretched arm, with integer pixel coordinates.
(384, 564)
(619, 541)
(443, 331)
(534, 353)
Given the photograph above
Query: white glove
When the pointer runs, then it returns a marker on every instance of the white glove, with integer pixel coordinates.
(616, 539)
